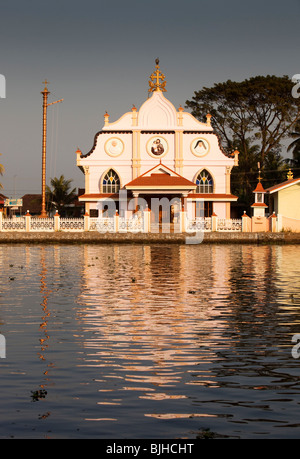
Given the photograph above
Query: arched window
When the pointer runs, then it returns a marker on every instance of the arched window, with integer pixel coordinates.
(204, 182)
(111, 182)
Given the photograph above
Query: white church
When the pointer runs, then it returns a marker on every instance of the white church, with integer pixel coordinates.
(160, 152)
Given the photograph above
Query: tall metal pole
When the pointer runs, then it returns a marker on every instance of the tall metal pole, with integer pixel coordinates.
(45, 93)
(45, 99)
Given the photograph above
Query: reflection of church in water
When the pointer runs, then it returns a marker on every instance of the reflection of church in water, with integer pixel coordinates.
(158, 151)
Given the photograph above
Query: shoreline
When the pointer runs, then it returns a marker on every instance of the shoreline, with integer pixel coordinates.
(94, 237)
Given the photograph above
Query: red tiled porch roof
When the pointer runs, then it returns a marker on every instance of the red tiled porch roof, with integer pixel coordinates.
(162, 180)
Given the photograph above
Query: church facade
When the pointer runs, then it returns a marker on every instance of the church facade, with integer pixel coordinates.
(154, 153)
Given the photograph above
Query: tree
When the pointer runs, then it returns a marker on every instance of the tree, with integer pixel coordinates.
(254, 116)
(260, 109)
(276, 169)
(295, 147)
(244, 177)
(60, 195)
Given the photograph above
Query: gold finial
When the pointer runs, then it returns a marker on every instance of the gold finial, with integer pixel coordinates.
(290, 175)
(45, 83)
(157, 80)
(259, 177)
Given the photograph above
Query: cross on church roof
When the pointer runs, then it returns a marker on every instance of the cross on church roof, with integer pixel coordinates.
(45, 83)
(157, 80)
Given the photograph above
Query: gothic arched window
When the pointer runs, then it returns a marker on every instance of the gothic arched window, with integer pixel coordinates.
(204, 182)
(111, 182)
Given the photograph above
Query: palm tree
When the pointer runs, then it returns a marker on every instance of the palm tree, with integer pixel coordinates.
(60, 195)
(275, 169)
(295, 147)
(295, 135)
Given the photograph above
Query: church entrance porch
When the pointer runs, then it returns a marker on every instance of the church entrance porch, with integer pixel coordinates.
(164, 191)
(165, 212)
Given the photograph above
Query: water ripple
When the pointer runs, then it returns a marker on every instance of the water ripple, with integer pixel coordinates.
(194, 338)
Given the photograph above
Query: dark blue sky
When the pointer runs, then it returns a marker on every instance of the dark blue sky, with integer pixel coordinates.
(98, 56)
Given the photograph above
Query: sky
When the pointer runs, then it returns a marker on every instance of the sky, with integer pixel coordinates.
(98, 56)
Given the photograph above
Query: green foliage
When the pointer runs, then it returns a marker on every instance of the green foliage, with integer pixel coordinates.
(294, 163)
(60, 195)
(244, 177)
(253, 116)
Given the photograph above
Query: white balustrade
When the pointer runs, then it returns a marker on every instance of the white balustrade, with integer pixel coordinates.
(71, 224)
(199, 224)
(139, 222)
(229, 224)
(103, 225)
(133, 224)
(13, 224)
(41, 224)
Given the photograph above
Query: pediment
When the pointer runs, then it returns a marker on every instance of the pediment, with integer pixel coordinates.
(161, 169)
(157, 112)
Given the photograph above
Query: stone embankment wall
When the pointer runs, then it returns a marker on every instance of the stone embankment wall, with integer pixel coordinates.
(147, 238)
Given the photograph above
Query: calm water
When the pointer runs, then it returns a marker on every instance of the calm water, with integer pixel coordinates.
(149, 341)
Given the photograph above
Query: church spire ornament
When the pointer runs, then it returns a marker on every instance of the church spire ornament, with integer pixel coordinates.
(157, 80)
(290, 175)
